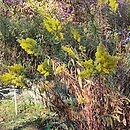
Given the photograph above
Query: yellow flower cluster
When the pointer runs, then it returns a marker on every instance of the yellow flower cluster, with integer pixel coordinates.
(53, 25)
(104, 61)
(14, 75)
(17, 68)
(89, 69)
(75, 35)
(70, 52)
(45, 67)
(7, 78)
(59, 69)
(18, 81)
(30, 46)
(112, 3)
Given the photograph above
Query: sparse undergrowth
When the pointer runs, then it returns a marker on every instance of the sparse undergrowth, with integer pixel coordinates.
(29, 115)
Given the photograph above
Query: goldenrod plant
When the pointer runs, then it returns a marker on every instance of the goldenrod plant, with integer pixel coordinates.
(30, 46)
(45, 68)
(79, 61)
(14, 76)
(53, 25)
(75, 35)
(89, 69)
(105, 63)
(70, 52)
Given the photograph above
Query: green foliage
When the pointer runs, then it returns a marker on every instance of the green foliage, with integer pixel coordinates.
(29, 115)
